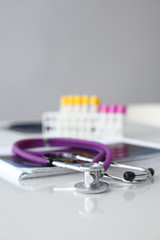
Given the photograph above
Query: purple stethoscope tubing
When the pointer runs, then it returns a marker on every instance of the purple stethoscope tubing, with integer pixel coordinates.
(103, 151)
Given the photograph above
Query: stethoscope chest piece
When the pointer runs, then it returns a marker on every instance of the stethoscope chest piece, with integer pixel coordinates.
(91, 184)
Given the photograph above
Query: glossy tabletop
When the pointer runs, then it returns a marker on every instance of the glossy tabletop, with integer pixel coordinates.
(49, 208)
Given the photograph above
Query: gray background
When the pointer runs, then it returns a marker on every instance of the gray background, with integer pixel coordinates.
(49, 48)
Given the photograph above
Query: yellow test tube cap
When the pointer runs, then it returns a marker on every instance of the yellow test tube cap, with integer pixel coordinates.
(77, 99)
(85, 99)
(63, 100)
(94, 100)
(70, 99)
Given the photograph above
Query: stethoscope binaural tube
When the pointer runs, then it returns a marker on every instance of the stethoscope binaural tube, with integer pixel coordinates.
(103, 151)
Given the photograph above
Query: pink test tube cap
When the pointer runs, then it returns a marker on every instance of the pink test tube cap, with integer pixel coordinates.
(103, 108)
(121, 109)
(112, 108)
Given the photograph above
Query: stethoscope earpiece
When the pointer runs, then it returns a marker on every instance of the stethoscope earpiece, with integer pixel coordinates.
(129, 176)
(151, 171)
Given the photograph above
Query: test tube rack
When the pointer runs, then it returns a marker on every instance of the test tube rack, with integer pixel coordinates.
(107, 122)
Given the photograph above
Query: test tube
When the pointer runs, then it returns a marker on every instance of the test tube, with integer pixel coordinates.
(70, 103)
(120, 112)
(84, 104)
(91, 123)
(103, 121)
(63, 104)
(111, 119)
(94, 103)
(75, 116)
(76, 104)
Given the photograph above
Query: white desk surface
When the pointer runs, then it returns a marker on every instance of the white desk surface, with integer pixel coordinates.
(54, 211)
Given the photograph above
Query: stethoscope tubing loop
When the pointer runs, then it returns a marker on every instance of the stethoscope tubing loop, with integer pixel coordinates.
(103, 151)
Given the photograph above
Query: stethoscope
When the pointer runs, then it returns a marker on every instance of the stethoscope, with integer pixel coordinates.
(92, 168)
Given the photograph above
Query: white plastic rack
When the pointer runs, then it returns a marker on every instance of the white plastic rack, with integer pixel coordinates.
(91, 126)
